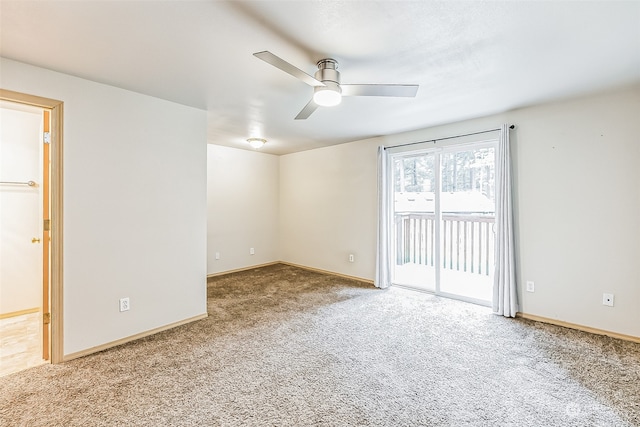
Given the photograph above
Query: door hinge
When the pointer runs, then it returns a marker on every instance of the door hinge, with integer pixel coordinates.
(47, 225)
(47, 137)
(46, 318)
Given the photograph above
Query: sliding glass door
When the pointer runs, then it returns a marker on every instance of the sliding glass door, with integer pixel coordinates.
(443, 220)
(414, 220)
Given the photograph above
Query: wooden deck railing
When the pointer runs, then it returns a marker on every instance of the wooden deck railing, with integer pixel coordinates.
(467, 241)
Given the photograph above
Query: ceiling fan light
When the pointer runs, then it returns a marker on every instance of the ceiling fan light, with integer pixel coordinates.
(256, 142)
(327, 96)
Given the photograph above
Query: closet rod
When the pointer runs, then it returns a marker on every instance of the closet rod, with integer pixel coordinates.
(448, 137)
(29, 183)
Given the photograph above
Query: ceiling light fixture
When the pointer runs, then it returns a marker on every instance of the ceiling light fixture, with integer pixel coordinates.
(256, 142)
(327, 96)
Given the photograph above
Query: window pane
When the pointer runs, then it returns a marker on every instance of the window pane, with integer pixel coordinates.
(414, 220)
(468, 181)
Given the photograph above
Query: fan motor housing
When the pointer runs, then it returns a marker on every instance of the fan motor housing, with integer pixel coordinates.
(327, 71)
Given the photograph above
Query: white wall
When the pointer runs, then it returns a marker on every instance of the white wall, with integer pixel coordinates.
(328, 208)
(134, 206)
(242, 206)
(577, 202)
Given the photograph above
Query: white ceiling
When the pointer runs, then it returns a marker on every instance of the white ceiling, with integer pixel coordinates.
(469, 58)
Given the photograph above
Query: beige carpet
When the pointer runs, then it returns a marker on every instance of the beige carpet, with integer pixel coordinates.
(288, 347)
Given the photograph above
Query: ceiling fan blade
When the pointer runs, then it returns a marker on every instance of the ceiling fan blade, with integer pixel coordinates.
(280, 63)
(379, 90)
(307, 110)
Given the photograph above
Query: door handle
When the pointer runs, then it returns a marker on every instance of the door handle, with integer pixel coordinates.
(35, 240)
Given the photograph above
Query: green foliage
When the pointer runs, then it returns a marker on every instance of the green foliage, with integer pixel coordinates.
(470, 170)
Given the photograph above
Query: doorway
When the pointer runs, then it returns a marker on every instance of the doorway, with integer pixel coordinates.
(443, 214)
(30, 231)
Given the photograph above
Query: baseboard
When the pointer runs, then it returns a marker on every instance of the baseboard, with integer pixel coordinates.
(237, 270)
(333, 273)
(304, 267)
(19, 313)
(578, 327)
(121, 341)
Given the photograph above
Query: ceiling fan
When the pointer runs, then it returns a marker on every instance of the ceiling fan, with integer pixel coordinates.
(327, 90)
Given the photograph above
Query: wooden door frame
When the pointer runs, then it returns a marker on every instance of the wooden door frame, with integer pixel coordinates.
(46, 234)
(56, 187)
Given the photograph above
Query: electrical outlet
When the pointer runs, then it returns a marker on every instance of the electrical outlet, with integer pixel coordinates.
(124, 304)
(607, 299)
(531, 287)
(252, 251)
(351, 258)
(217, 255)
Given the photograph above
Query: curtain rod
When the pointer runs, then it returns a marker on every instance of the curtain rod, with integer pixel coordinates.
(448, 137)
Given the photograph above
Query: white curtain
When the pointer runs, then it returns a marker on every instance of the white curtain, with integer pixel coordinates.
(383, 256)
(505, 301)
